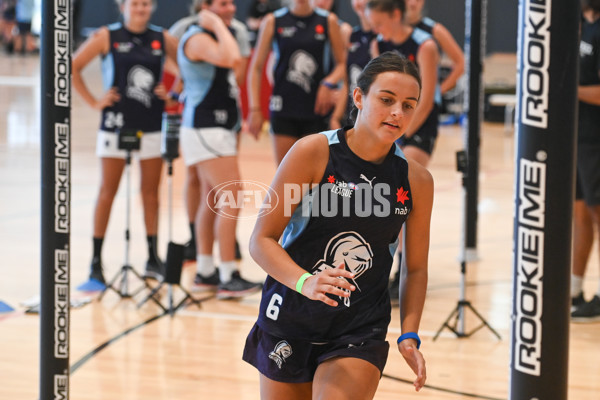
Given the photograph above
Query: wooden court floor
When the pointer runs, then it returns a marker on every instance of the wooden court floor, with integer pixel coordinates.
(121, 352)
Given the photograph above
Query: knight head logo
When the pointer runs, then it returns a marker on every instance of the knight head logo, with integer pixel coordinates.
(140, 78)
(302, 68)
(281, 351)
(350, 250)
(140, 82)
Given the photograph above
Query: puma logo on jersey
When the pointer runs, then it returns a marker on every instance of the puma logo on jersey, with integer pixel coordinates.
(370, 182)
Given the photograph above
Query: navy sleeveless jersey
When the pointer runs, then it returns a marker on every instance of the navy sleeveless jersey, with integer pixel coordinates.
(589, 68)
(302, 59)
(211, 92)
(409, 49)
(350, 220)
(134, 65)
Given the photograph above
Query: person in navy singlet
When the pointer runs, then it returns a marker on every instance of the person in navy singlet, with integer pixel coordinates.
(386, 19)
(328, 249)
(443, 37)
(587, 196)
(207, 56)
(133, 53)
(358, 54)
(303, 39)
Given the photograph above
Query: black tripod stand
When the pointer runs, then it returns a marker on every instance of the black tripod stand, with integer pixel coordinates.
(174, 262)
(458, 314)
(129, 140)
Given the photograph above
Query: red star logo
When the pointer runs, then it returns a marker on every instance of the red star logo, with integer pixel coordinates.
(402, 195)
(155, 45)
(319, 29)
(411, 57)
(331, 179)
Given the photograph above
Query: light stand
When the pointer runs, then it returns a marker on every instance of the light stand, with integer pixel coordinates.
(458, 314)
(129, 140)
(174, 262)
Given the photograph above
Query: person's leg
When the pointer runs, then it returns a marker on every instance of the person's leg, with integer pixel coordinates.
(417, 154)
(273, 390)
(345, 378)
(192, 202)
(281, 145)
(215, 172)
(151, 170)
(110, 175)
(595, 213)
(583, 239)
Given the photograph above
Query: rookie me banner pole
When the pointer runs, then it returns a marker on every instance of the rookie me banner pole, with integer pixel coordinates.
(547, 65)
(55, 198)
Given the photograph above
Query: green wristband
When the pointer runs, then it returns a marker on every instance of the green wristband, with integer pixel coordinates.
(300, 282)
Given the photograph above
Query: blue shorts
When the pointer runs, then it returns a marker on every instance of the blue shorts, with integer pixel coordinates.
(295, 361)
(425, 137)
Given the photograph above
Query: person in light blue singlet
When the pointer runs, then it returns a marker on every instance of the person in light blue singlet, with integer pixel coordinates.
(133, 53)
(328, 248)
(207, 56)
(303, 38)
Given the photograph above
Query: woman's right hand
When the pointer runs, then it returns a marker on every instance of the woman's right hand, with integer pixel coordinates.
(326, 282)
(208, 20)
(109, 98)
(255, 122)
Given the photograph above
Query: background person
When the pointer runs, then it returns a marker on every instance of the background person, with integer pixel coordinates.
(207, 56)
(587, 204)
(303, 90)
(225, 10)
(133, 53)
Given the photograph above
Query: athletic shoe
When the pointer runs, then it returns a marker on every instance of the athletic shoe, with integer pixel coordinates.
(189, 251)
(206, 283)
(238, 253)
(587, 312)
(154, 269)
(577, 301)
(394, 289)
(96, 271)
(237, 287)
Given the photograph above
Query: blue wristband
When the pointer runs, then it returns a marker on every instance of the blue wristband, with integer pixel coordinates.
(410, 335)
(328, 85)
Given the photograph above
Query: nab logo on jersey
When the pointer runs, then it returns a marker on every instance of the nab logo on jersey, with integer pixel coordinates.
(287, 31)
(319, 32)
(122, 47)
(156, 48)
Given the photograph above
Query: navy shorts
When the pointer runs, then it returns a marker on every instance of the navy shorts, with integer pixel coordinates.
(298, 128)
(588, 173)
(424, 138)
(295, 361)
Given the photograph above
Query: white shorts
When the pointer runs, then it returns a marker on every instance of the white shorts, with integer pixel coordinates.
(107, 146)
(206, 143)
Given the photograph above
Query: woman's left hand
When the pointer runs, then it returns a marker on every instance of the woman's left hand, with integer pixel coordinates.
(415, 360)
(161, 92)
(325, 100)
